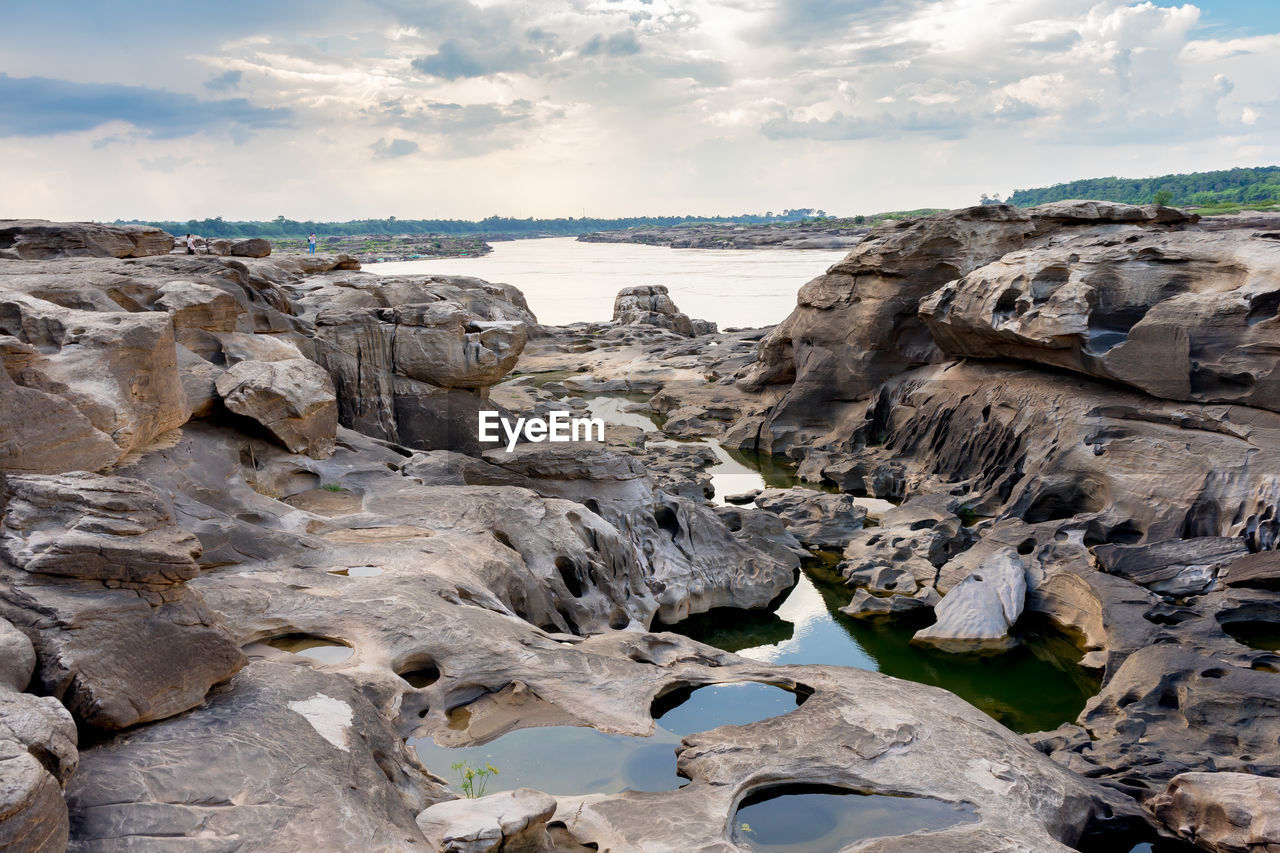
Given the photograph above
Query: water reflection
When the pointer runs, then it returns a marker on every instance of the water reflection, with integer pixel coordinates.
(1033, 687)
(566, 760)
(821, 819)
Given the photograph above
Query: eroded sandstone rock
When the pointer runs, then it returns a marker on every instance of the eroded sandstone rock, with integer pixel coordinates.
(92, 572)
(280, 758)
(651, 305)
(978, 613)
(294, 399)
(1129, 308)
(80, 389)
(40, 239)
(1222, 812)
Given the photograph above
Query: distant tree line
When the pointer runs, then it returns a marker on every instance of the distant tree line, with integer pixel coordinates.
(493, 225)
(1203, 189)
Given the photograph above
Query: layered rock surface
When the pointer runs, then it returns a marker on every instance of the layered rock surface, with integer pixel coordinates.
(40, 239)
(1108, 440)
(518, 586)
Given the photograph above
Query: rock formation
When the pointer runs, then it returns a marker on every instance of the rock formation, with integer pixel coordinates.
(40, 239)
(212, 463)
(651, 305)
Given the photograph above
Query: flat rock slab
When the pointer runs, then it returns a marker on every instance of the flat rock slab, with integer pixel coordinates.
(509, 821)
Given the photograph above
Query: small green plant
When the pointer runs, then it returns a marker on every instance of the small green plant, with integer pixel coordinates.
(968, 515)
(473, 780)
(331, 487)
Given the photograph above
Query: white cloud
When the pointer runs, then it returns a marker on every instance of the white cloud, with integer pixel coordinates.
(623, 106)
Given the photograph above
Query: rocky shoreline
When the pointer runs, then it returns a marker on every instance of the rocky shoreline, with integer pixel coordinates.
(835, 234)
(1071, 409)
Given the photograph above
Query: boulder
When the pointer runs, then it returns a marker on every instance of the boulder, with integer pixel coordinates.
(512, 821)
(817, 519)
(252, 248)
(17, 657)
(651, 305)
(1222, 812)
(80, 389)
(411, 360)
(40, 239)
(1132, 311)
(977, 614)
(293, 399)
(905, 552)
(37, 755)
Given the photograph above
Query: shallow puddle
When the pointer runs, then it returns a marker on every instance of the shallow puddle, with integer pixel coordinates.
(358, 572)
(566, 760)
(1264, 636)
(613, 409)
(319, 649)
(823, 819)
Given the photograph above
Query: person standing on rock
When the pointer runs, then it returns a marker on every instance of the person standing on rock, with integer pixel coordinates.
(311, 244)
(191, 245)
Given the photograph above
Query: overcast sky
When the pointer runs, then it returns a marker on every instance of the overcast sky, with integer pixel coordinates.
(449, 108)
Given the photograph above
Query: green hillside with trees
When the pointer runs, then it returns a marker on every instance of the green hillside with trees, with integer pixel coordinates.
(1212, 192)
(496, 226)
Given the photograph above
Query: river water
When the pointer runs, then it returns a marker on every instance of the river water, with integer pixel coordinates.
(566, 281)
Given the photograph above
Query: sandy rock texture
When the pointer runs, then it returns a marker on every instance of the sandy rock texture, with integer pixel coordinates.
(1222, 812)
(283, 451)
(40, 239)
(1101, 455)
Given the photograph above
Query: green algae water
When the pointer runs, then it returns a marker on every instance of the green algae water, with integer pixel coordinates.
(1034, 687)
(568, 760)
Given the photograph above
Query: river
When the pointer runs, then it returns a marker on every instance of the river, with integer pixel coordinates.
(566, 281)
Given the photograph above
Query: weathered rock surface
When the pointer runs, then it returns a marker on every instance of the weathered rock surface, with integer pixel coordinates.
(1131, 308)
(651, 305)
(93, 573)
(1174, 566)
(978, 613)
(1222, 812)
(281, 758)
(294, 399)
(858, 325)
(40, 239)
(512, 821)
(95, 528)
(818, 520)
(80, 389)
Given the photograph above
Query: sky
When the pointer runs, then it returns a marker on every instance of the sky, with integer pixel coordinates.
(469, 108)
